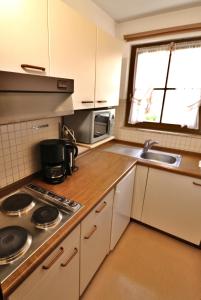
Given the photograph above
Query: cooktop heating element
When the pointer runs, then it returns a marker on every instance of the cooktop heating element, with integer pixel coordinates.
(18, 204)
(14, 242)
(28, 218)
(46, 217)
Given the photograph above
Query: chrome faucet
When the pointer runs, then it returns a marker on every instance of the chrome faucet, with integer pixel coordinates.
(148, 144)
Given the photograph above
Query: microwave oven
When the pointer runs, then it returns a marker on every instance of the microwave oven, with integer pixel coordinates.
(91, 126)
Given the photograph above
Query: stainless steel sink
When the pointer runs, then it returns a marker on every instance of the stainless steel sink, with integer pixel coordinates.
(151, 155)
(162, 157)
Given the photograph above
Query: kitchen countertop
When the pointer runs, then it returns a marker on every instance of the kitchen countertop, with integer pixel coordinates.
(99, 171)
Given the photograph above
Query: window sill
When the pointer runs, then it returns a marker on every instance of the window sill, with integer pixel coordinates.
(196, 136)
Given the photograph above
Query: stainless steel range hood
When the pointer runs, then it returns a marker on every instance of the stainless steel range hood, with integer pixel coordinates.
(28, 97)
(18, 82)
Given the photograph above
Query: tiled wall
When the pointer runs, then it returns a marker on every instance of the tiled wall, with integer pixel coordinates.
(169, 140)
(19, 150)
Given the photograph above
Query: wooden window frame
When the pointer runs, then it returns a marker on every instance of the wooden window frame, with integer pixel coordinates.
(152, 125)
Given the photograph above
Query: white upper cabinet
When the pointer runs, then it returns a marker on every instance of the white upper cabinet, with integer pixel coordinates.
(50, 38)
(72, 51)
(108, 69)
(24, 36)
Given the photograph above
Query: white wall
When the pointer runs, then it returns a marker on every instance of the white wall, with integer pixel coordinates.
(93, 12)
(176, 18)
(187, 16)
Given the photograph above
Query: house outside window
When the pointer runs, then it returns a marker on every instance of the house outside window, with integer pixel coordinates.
(164, 89)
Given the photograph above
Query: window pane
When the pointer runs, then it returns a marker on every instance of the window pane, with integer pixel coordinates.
(172, 108)
(185, 68)
(149, 108)
(181, 107)
(151, 69)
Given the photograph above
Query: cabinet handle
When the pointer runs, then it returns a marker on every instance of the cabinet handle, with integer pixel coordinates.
(196, 183)
(55, 258)
(70, 258)
(25, 66)
(91, 233)
(102, 101)
(101, 208)
(84, 102)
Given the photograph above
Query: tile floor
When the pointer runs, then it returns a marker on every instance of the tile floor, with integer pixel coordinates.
(147, 265)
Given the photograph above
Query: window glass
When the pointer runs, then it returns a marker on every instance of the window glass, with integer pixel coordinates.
(149, 72)
(185, 68)
(166, 85)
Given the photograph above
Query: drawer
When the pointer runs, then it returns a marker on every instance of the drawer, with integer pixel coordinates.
(93, 218)
(95, 239)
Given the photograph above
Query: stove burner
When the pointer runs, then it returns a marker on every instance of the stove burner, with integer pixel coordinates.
(18, 204)
(46, 217)
(14, 242)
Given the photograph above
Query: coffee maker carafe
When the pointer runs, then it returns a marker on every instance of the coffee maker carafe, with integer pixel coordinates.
(57, 159)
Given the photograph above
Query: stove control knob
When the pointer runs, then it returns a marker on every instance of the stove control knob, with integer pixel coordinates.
(72, 203)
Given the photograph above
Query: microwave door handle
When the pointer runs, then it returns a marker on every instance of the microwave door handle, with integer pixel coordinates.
(98, 132)
(109, 123)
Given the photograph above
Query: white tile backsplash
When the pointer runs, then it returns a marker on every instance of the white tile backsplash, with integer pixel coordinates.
(170, 140)
(19, 148)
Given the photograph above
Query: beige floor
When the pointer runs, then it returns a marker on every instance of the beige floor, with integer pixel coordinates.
(147, 265)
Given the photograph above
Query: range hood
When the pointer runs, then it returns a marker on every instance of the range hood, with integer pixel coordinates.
(18, 82)
(29, 97)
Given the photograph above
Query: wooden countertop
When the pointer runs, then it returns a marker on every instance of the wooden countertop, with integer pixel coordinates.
(98, 173)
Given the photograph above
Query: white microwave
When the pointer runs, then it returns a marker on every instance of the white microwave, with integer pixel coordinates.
(91, 126)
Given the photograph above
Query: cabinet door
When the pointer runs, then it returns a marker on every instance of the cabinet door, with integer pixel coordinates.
(139, 191)
(95, 239)
(122, 207)
(23, 35)
(108, 69)
(60, 281)
(173, 204)
(72, 51)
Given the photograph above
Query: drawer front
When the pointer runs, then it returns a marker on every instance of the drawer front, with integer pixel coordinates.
(57, 277)
(95, 239)
(94, 216)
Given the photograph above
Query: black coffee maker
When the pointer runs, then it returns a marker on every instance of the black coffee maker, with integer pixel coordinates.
(57, 159)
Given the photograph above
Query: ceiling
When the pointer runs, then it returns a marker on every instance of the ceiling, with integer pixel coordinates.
(123, 10)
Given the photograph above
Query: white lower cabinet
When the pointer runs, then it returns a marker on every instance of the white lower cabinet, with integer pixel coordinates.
(57, 277)
(141, 174)
(95, 239)
(122, 207)
(173, 204)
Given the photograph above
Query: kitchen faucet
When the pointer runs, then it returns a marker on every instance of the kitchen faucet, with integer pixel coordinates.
(148, 144)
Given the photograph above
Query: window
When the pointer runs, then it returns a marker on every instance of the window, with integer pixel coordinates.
(164, 89)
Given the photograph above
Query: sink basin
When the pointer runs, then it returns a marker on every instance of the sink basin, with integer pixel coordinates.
(163, 157)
